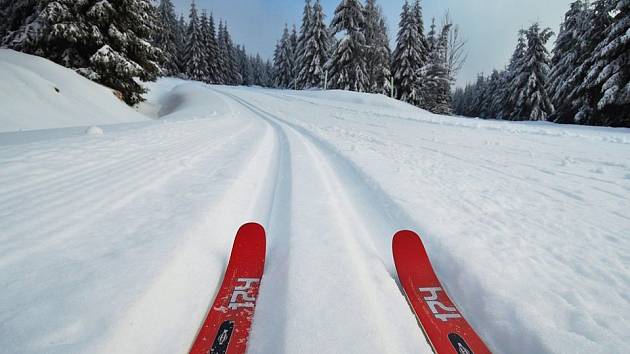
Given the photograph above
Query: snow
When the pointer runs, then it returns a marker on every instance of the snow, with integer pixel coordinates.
(36, 94)
(117, 244)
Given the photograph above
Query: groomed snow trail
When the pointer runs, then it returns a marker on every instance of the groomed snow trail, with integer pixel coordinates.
(117, 243)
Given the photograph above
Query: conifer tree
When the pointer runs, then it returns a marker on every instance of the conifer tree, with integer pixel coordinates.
(490, 108)
(302, 40)
(532, 100)
(508, 89)
(195, 59)
(294, 47)
(282, 65)
(166, 36)
(409, 56)
(315, 51)
(378, 54)
(181, 42)
(233, 77)
(437, 82)
(20, 23)
(605, 90)
(565, 60)
(348, 67)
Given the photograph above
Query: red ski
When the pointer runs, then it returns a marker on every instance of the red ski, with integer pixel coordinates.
(444, 326)
(226, 328)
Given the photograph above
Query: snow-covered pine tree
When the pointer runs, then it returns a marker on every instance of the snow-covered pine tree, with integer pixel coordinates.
(508, 90)
(347, 66)
(204, 29)
(490, 109)
(409, 56)
(166, 36)
(20, 24)
(293, 39)
(282, 64)
(596, 29)
(478, 97)
(195, 60)
(606, 88)
(245, 67)
(108, 42)
(431, 36)
(487, 109)
(315, 51)
(378, 54)
(565, 60)
(211, 48)
(532, 100)
(180, 42)
(302, 40)
(437, 83)
(223, 74)
(233, 76)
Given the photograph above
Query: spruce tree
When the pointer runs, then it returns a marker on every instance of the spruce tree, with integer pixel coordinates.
(294, 47)
(213, 52)
(606, 88)
(565, 60)
(491, 108)
(532, 100)
(437, 82)
(20, 23)
(378, 54)
(508, 90)
(233, 77)
(223, 74)
(315, 51)
(409, 56)
(166, 36)
(282, 65)
(180, 42)
(348, 67)
(596, 28)
(302, 41)
(195, 59)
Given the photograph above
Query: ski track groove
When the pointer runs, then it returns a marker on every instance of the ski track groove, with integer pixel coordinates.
(350, 225)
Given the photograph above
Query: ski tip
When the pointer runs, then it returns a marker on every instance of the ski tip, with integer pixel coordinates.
(252, 227)
(405, 236)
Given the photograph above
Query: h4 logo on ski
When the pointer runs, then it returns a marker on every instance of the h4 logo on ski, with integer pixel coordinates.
(446, 330)
(243, 291)
(439, 310)
(228, 323)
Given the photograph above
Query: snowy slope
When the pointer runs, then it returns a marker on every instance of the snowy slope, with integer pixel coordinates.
(38, 94)
(117, 243)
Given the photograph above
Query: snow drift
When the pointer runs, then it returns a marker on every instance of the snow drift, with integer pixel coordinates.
(39, 94)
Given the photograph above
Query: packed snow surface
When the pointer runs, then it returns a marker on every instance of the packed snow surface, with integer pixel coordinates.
(117, 243)
(35, 93)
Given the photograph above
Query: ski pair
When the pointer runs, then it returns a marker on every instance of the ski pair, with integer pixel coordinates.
(227, 325)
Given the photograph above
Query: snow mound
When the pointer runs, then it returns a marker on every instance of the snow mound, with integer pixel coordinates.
(94, 130)
(39, 94)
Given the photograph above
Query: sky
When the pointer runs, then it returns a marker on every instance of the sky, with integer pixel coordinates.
(490, 26)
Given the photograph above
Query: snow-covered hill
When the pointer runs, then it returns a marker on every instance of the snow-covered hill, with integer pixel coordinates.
(38, 94)
(117, 243)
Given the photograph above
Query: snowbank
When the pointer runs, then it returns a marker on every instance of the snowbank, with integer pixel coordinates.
(39, 94)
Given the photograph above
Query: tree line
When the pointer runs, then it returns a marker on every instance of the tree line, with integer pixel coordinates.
(115, 42)
(353, 53)
(584, 80)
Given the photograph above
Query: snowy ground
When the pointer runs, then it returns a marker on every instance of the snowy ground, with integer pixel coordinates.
(116, 243)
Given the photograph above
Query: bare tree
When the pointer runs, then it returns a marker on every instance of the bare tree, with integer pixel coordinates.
(455, 51)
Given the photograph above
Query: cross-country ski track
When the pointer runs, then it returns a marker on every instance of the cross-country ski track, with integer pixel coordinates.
(117, 243)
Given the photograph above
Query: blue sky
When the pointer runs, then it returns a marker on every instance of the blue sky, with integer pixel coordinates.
(489, 25)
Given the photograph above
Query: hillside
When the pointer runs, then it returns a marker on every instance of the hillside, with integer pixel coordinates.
(39, 94)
